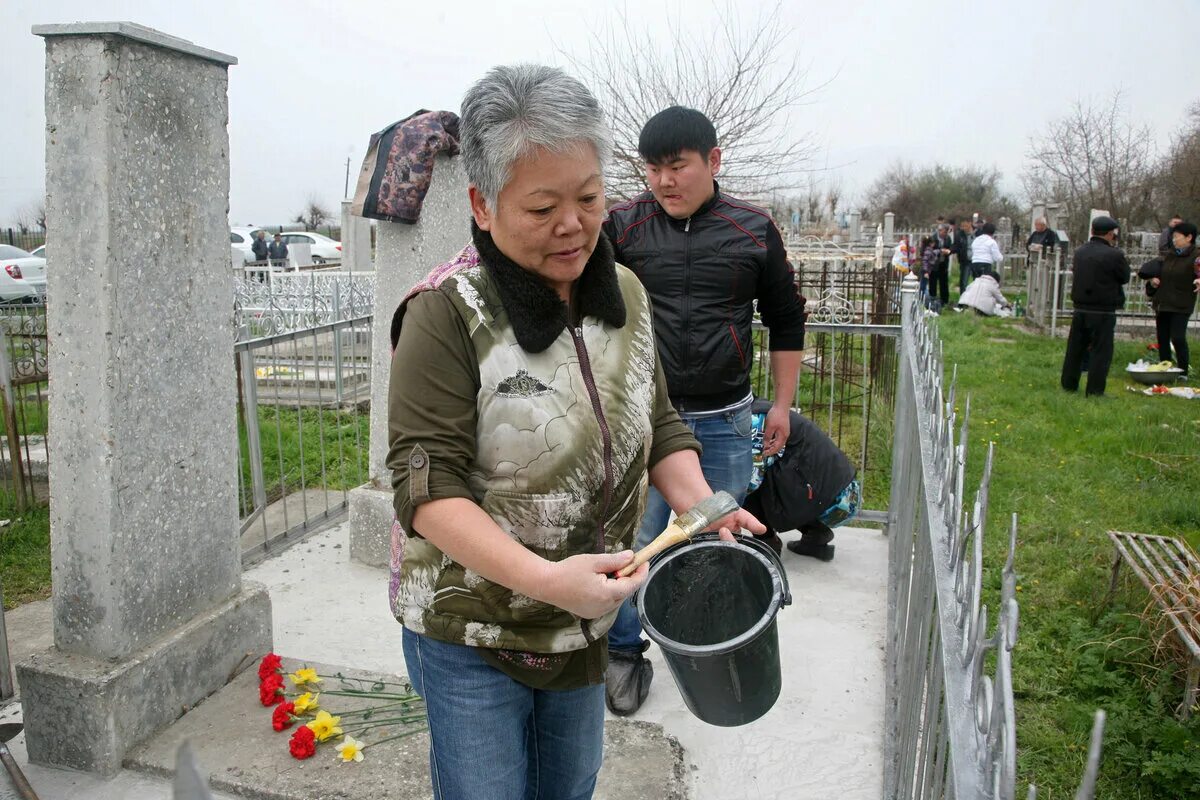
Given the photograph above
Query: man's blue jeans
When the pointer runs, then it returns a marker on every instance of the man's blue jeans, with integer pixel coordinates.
(490, 736)
(727, 462)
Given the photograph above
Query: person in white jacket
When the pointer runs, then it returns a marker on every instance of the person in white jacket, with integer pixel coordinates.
(984, 296)
(985, 253)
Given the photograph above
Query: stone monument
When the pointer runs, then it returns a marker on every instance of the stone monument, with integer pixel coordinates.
(404, 255)
(150, 611)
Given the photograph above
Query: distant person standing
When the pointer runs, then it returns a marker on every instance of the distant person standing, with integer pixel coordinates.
(260, 247)
(1099, 271)
(1042, 239)
(963, 233)
(985, 252)
(1164, 238)
(1175, 294)
(278, 251)
(939, 276)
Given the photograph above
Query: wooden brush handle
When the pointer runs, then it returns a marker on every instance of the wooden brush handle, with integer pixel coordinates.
(671, 536)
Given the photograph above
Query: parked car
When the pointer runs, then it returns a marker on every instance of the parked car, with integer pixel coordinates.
(323, 248)
(22, 275)
(240, 239)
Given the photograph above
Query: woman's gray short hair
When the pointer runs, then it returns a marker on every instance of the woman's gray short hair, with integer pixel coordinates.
(513, 110)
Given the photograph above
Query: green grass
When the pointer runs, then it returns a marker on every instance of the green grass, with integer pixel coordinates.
(294, 455)
(1073, 468)
(24, 554)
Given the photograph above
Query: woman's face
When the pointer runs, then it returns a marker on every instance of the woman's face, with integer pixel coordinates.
(1182, 241)
(547, 218)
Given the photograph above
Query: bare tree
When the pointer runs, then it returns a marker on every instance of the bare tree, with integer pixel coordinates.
(314, 214)
(736, 76)
(833, 198)
(1094, 158)
(1179, 174)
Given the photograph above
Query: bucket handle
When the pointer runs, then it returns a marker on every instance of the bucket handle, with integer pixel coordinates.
(769, 552)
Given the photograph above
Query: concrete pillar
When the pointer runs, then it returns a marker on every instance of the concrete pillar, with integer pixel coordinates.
(404, 255)
(855, 226)
(150, 614)
(889, 227)
(356, 241)
(1038, 212)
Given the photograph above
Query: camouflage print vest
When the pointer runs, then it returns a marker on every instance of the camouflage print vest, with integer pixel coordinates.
(561, 460)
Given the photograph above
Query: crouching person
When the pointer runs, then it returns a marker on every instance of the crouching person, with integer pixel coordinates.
(809, 486)
(984, 296)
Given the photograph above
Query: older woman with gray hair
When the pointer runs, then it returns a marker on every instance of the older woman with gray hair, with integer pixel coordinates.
(527, 411)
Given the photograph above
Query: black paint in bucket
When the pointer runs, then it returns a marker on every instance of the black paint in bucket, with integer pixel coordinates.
(711, 606)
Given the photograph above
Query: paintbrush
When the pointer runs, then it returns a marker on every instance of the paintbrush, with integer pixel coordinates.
(684, 527)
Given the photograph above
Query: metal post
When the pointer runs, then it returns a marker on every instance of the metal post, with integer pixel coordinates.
(9, 402)
(6, 681)
(1054, 298)
(899, 520)
(337, 340)
(253, 436)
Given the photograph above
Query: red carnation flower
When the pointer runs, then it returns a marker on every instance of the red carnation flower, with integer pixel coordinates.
(303, 743)
(282, 716)
(269, 691)
(269, 665)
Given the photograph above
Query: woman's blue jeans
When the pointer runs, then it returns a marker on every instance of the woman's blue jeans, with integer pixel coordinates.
(492, 737)
(727, 463)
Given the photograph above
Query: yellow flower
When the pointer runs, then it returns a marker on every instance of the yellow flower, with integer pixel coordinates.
(305, 675)
(306, 703)
(325, 726)
(350, 749)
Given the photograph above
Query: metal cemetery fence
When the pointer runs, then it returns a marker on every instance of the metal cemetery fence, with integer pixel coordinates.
(1048, 292)
(303, 357)
(24, 381)
(950, 728)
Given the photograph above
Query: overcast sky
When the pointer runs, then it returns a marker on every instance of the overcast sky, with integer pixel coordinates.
(921, 80)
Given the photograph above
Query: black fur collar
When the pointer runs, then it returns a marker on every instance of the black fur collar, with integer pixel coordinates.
(536, 312)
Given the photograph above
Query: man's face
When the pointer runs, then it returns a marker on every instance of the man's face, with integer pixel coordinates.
(1174, 221)
(1039, 226)
(684, 183)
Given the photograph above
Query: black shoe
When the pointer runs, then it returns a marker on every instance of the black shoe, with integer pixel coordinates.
(627, 681)
(821, 552)
(814, 541)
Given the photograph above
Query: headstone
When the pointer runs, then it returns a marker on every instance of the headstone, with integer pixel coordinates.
(150, 612)
(889, 227)
(404, 255)
(356, 241)
(299, 255)
(855, 226)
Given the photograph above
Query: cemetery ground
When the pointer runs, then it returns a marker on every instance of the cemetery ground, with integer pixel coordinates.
(1072, 468)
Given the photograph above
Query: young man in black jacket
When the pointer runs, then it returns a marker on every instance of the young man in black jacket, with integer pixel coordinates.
(704, 258)
(1099, 272)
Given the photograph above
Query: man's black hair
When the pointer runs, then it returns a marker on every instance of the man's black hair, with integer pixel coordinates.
(989, 228)
(673, 130)
(1187, 229)
(952, 222)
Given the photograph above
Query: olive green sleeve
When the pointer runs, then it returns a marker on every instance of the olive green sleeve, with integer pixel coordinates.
(670, 434)
(432, 410)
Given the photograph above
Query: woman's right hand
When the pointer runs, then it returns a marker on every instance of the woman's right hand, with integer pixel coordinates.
(581, 584)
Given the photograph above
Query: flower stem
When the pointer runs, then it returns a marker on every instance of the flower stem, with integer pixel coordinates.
(373, 709)
(373, 695)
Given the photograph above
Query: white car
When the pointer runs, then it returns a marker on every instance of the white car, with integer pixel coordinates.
(22, 275)
(322, 247)
(241, 238)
